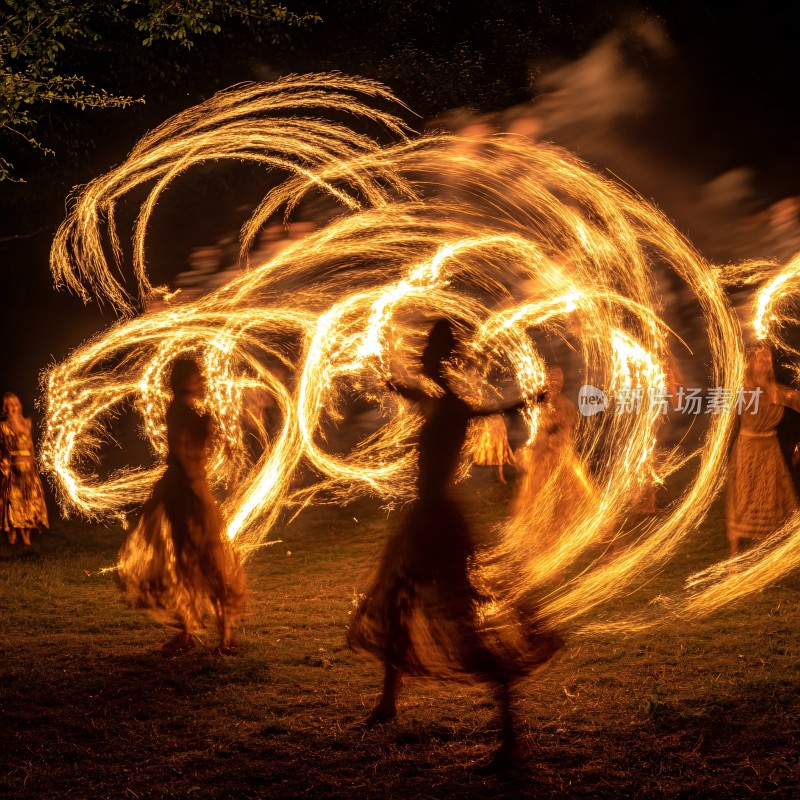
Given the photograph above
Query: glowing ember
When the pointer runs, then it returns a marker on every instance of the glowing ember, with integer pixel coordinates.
(512, 241)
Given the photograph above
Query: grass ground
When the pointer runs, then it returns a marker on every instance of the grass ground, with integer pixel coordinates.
(90, 709)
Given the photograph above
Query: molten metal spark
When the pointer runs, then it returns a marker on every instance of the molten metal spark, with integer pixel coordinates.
(775, 306)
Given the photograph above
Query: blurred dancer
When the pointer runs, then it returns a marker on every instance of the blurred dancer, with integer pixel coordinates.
(490, 446)
(554, 481)
(178, 559)
(645, 503)
(760, 493)
(22, 506)
(422, 614)
(789, 440)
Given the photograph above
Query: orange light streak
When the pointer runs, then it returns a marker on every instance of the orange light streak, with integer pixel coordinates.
(511, 240)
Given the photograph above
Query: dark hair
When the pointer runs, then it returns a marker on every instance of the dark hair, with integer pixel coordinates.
(183, 369)
(440, 346)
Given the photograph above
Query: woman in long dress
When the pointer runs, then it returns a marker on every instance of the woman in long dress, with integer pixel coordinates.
(22, 505)
(422, 614)
(760, 493)
(178, 561)
(554, 482)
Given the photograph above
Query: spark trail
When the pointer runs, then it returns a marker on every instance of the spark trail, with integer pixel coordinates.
(514, 241)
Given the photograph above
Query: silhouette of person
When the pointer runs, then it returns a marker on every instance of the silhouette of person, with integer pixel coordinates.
(22, 505)
(422, 614)
(178, 559)
(760, 494)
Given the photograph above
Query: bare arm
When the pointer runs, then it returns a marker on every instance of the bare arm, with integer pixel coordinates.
(789, 397)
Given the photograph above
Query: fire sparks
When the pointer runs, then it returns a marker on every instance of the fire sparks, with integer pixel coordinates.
(513, 241)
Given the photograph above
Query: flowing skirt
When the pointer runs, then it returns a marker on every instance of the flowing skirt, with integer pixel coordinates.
(760, 492)
(553, 490)
(177, 563)
(424, 615)
(489, 442)
(22, 503)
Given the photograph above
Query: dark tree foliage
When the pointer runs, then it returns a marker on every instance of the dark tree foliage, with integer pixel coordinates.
(105, 54)
(442, 54)
(72, 72)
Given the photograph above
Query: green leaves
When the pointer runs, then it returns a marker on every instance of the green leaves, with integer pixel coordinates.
(38, 36)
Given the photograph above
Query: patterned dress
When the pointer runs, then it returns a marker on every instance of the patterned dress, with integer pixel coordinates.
(760, 493)
(22, 505)
(178, 562)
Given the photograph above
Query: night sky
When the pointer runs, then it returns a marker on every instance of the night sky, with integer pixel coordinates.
(726, 100)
